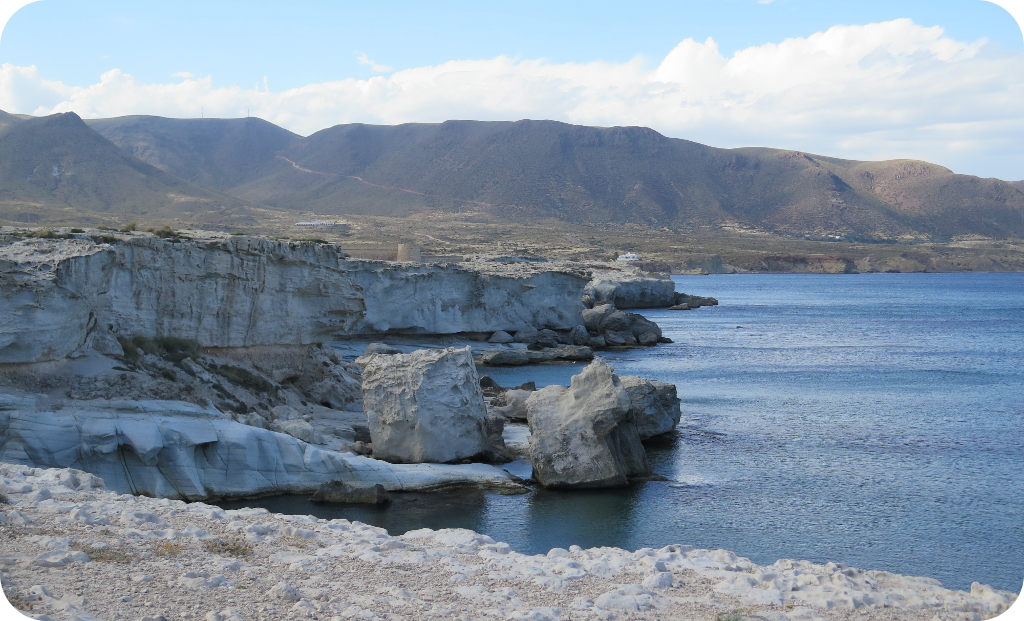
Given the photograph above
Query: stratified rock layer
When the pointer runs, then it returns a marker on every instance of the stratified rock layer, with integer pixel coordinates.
(233, 291)
(584, 435)
(426, 406)
(174, 449)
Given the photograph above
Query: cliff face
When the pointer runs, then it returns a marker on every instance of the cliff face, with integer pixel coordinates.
(230, 291)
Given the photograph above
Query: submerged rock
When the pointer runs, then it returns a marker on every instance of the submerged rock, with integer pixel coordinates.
(654, 405)
(584, 435)
(426, 406)
(337, 491)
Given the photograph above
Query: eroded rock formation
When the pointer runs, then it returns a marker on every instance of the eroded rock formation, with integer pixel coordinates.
(611, 327)
(174, 449)
(426, 406)
(584, 435)
(627, 287)
(654, 405)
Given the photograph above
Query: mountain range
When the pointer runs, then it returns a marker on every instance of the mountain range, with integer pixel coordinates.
(229, 171)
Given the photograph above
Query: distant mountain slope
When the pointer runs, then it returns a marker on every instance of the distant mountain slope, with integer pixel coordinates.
(56, 168)
(547, 169)
(7, 120)
(627, 174)
(216, 153)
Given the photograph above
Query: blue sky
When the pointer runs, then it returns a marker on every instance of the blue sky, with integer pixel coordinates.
(941, 81)
(296, 43)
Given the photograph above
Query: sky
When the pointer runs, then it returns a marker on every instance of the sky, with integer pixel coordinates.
(936, 80)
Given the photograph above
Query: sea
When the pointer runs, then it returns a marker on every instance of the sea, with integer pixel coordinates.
(872, 420)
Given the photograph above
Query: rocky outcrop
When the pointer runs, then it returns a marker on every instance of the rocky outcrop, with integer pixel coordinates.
(234, 291)
(654, 406)
(629, 288)
(611, 327)
(426, 406)
(625, 287)
(584, 435)
(519, 357)
(511, 404)
(174, 449)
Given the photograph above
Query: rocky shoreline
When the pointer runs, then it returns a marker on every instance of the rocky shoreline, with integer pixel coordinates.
(138, 371)
(70, 549)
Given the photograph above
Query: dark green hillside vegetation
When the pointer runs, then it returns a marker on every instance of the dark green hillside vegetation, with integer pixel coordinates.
(57, 169)
(216, 153)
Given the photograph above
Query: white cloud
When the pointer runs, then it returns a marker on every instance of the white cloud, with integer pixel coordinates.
(877, 91)
(365, 60)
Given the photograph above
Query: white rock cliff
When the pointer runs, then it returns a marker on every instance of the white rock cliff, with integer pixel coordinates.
(233, 291)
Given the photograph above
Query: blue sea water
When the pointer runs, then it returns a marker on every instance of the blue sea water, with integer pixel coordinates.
(875, 420)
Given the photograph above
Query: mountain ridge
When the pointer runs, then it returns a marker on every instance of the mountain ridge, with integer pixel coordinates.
(55, 168)
(547, 169)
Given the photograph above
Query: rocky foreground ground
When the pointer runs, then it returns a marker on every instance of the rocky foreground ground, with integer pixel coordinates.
(70, 549)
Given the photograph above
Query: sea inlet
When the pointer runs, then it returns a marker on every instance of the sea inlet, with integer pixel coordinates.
(874, 420)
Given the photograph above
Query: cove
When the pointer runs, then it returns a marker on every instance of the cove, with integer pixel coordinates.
(875, 420)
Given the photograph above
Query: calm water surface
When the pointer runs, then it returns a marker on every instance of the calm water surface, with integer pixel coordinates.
(875, 420)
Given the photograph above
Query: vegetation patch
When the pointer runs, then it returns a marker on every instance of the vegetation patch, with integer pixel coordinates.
(166, 232)
(107, 555)
(244, 378)
(24, 602)
(169, 348)
(167, 548)
(235, 545)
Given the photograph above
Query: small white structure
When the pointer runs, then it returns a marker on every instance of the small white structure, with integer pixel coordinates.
(629, 256)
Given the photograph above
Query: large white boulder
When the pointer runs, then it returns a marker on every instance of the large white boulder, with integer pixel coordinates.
(584, 435)
(425, 406)
(654, 405)
(175, 449)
